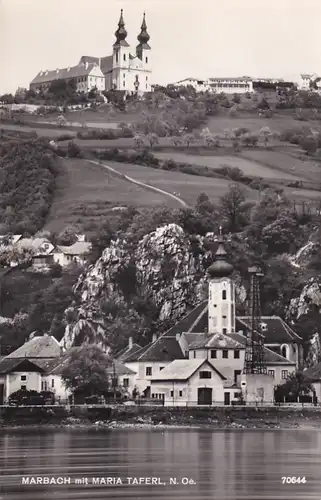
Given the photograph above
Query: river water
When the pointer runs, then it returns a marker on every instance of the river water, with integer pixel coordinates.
(220, 465)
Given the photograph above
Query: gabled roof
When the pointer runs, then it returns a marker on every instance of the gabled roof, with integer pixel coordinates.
(106, 64)
(9, 239)
(8, 365)
(163, 349)
(40, 246)
(216, 341)
(277, 331)
(183, 369)
(78, 248)
(64, 73)
(38, 347)
(119, 369)
(125, 353)
(313, 373)
(189, 321)
(270, 357)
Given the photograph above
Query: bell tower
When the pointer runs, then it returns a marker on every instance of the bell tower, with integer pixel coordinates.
(221, 293)
(121, 53)
(143, 52)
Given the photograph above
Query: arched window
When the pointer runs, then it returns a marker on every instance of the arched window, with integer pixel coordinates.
(285, 351)
(224, 294)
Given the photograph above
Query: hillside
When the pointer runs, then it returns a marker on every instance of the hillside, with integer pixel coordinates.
(28, 171)
(86, 194)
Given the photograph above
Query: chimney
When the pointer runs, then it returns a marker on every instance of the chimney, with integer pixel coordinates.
(154, 337)
(178, 336)
(130, 342)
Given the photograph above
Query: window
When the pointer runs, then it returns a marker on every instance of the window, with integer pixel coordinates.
(237, 373)
(224, 331)
(272, 373)
(117, 57)
(224, 317)
(194, 354)
(126, 382)
(146, 86)
(146, 78)
(52, 382)
(180, 394)
(124, 57)
(161, 368)
(23, 378)
(172, 394)
(124, 84)
(42, 386)
(236, 354)
(225, 354)
(213, 354)
(224, 294)
(284, 374)
(148, 371)
(146, 59)
(24, 387)
(205, 374)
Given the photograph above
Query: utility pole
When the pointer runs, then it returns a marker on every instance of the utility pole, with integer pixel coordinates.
(254, 350)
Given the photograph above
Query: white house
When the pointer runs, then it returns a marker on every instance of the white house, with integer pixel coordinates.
(128, 68)
(86, 75)
(26, 366)
(77, 253)
(305, 81)
(198, 84)
(233, 85)
(189, 383)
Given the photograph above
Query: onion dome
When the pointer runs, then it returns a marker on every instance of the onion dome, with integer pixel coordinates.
(143, 36)
(220, 268)
(121, 33)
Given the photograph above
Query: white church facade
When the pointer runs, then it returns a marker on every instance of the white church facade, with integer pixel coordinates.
(127, 69)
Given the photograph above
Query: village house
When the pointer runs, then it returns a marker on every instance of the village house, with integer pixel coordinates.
(212, 332)
(26, 367)
(186, 382)
(77, 253)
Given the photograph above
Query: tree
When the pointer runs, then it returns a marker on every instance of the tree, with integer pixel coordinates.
(188, 139)
(309, 144)
(85, 370)
(139, 142)
(296, 386)
(231, 207)
(152, 139)
(266, 133)
(68, 236)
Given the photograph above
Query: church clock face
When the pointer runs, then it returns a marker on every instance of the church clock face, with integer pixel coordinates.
(224, 285)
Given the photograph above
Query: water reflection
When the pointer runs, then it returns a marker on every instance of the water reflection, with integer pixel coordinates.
(223, 464)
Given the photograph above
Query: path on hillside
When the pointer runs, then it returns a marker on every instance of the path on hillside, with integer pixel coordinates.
(142, 184)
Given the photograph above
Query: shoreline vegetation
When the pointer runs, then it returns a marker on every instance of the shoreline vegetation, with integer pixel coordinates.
(220, 418)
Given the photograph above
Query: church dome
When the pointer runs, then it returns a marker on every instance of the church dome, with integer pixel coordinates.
(143, 36)
(220, 268)
(121, 33)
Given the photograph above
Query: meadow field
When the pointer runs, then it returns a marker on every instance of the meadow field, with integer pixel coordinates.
(87, 192)
(251, 167)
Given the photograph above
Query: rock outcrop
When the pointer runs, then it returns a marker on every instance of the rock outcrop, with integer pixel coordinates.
(167, 271)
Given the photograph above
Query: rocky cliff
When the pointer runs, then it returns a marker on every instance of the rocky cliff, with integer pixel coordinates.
(168, 271)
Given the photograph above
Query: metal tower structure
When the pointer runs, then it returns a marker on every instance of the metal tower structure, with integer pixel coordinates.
(254, 350)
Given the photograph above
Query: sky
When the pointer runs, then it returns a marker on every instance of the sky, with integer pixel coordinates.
(189, 38)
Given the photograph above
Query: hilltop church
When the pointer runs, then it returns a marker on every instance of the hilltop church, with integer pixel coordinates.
(127, 69)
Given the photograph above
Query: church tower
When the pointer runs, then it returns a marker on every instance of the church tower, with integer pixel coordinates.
(121, 57)
(221, 293)
(143, 52)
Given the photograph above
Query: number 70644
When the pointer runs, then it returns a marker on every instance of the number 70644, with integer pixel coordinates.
(293, 480)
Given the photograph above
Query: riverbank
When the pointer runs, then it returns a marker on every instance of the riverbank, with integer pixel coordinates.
(160, 418)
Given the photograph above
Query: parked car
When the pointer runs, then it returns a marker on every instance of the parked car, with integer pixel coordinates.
(29, 398)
